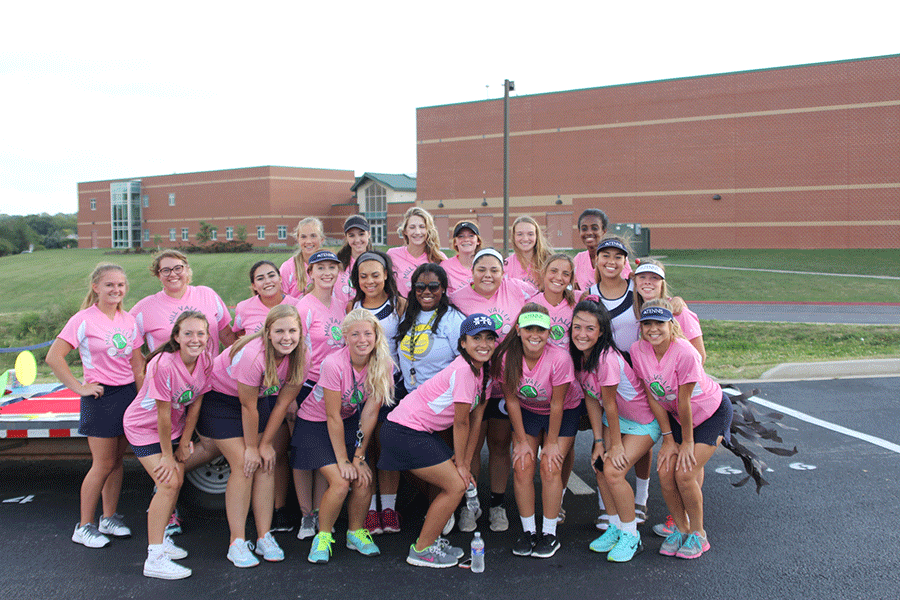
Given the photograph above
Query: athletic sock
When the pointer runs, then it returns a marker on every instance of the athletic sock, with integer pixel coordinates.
(641, 491)
(630, 527)
(600, 502)
(549, 526)
(528, 525)
(614, 520)
(497, 499)
(388, 501)
(373, 505)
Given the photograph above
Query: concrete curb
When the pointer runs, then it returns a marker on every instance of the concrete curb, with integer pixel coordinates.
(837, 369)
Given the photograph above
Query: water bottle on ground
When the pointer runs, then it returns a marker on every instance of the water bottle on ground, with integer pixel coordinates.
(477, 553)
(472, 499)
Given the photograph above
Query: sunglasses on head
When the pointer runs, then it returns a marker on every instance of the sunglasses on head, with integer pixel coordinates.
(432, 286)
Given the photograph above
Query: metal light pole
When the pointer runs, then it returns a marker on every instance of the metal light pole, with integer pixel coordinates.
(507, 87)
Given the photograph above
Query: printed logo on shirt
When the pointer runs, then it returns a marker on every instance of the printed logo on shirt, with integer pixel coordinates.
(657, 388)
(501, 320)
(336, 334)
(660, 390)
(178, 311)
(271, 391)
(532, 393)
(118, 343)
(421, 335)
(186, 397)
(557, 332)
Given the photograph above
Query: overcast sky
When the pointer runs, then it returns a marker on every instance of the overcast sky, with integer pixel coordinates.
(106, 90)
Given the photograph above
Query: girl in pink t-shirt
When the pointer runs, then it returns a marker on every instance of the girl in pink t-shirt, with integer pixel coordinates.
(422, 245)
(330, 428)
(107, 340)
(410, 441)
(627, 425)
(165, 411)
(357, 239)
(530, 251)
(694, 416)
(592, 225)
(253, 383)
(265, 283)
(545, 412)
(501, 299)
(310, 234)
(466, 242)
(155, 314)
(558, 297)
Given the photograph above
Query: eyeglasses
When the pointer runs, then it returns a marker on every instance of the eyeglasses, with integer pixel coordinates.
(166, 271)
(432, 286)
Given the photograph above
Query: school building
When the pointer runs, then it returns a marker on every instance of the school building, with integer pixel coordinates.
(796, 157)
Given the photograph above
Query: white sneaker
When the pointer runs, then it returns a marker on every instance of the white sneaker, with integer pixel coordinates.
(240, 555)
(268, 548)
(467, 519)
(173, 551)
(449, 526)
(499, 522)
(307, 527)
(114, 526)
(88, 535)
(161, 566)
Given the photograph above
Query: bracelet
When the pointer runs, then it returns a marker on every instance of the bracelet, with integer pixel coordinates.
(667, 433)
(598, 440)
(362, 458)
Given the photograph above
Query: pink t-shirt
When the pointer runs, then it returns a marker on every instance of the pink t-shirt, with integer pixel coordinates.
(585, 274)
(515, 270)
(343, 290)
(689, 323)
(503, 307)
(290, 285)
(337, 375)
(248, 366)
(321, 330)
(680, 364)
(458, 276)
(430, 407)
(156, 314)
(167, 380)
(404, 264)
(553, 368)
(250, 314)
(105, 345)
(612, 369)
(560, 318)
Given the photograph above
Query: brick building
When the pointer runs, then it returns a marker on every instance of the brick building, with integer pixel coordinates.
(795, 157)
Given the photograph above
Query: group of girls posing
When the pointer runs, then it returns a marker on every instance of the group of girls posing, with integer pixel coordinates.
(328, 345)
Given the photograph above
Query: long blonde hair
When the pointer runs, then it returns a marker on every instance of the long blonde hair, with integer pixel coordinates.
(432, 241)
(664, 292)
(299, 263)
(542, 249)
(380, 370)
(154, 266)
(94, 279)
(297, 358)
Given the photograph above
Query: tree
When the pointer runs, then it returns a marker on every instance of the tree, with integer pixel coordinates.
(205, 233)
(242, 233)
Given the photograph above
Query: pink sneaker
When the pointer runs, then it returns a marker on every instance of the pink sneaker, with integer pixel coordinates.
(373, 522)
(390, 521)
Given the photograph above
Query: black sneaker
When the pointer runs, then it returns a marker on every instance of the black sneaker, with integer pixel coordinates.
(282, 520)
(525, 544)
(545, 547)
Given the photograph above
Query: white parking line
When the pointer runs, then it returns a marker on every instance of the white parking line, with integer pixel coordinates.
(827, 425)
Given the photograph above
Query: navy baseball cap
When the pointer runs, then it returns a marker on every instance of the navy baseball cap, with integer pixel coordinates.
(476, 323)
(321, 256)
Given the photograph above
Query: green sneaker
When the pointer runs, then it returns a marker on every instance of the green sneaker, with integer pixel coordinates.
(608, 540)
(625, 549)
(361, 541)
(320, 551)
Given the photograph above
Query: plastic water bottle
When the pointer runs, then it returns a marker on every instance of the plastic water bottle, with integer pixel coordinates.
(472, 499)
(477, 553)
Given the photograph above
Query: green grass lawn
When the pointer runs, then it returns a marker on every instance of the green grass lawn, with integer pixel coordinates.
(35, 282)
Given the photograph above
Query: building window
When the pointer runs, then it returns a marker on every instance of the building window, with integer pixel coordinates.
(171, 199)
(146, 235)
(146, 200)
(282, 232)
(229, 233)
(185, 237)
(125, 214)
(375, 211)
(172, 237)
(93, 204)
(213, 234)
(260, 232)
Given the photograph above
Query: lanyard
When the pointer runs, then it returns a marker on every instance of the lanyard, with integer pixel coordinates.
(414, 343)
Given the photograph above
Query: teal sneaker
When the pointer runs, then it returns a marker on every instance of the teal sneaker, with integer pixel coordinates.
(269, 549)
(320, 551)
(625, 549)
(240, 555)
(608, 540)
(672, 543)
(361, 541)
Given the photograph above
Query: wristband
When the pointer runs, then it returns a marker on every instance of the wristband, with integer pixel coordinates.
(667, 433)
(598, 440)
